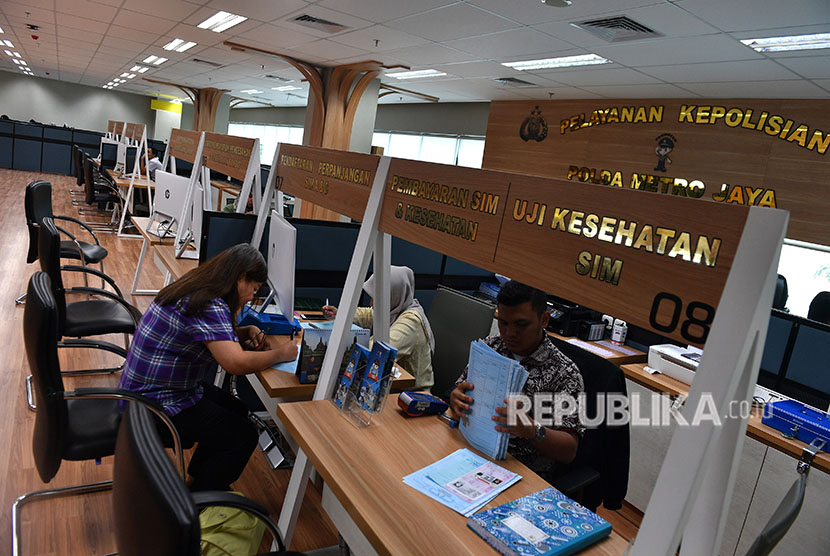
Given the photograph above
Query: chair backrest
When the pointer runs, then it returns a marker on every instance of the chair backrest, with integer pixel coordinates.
(38, 204)
(779, 299)
(78, 157)
(820, 308)
(152, 508)
(40, 333)
(456, 320)
(49, 253)
(89, 180)
(605, 449)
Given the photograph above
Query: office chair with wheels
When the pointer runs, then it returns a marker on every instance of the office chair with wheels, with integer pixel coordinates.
(69, 425)
(93, 317)
(456, 320)
(148, 497)
(599, 472)
(820, 308)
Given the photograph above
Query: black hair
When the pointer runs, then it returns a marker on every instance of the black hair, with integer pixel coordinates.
(514, 293)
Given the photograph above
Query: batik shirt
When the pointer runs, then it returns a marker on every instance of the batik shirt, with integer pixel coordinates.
(168, 359)
(549, 371)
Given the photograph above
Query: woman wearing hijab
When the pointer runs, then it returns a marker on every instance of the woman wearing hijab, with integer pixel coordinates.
(409, 330)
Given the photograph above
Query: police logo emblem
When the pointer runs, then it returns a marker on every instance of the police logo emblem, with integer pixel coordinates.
(534, 127)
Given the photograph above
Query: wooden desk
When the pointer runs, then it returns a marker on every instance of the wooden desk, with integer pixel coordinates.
(147, 240)
(166, 255)
(363, 469)
(607, 349)
(224, 187)
(755, 428)
(279, 384)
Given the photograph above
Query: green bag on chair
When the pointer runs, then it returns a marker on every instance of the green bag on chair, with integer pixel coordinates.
(230, 532)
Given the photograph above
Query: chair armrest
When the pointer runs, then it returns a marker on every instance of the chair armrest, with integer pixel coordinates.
(206, 498)
(94, 272)
(79, 223)
(127, 395)
(75, 241)
(117, 298)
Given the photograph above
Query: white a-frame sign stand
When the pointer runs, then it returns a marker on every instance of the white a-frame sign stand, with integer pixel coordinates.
(706, 278)
(141, 143)
(190, 220)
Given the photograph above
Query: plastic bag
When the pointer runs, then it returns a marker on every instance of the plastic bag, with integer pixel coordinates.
(230, 532)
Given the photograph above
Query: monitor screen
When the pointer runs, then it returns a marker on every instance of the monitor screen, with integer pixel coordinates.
(109, 155)
(808, 378)
(221, 230)
(778, 335)
(130, 159)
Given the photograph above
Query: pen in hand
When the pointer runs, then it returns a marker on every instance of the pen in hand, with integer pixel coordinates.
(453, 423)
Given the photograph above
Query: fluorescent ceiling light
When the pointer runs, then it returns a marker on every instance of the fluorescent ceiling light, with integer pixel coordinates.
(8, 53)
(179, 45)
(159, 61)
(143, 70)
(135, 68)
(150, 59)
(221, 21)
(22, 62)
(793, 42)
(250, 91)
(1, 30)
(17, 54)
(286, 88)
(125, 74)
(564, 62)
(16, 61)
(130, 75)
(8, 43)
(416, 74)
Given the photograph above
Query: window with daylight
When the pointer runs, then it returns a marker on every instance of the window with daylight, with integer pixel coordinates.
(444, 149)
(269, 136)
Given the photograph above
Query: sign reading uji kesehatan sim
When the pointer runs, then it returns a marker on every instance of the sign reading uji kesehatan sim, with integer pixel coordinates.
(751, 152)
(184, 143)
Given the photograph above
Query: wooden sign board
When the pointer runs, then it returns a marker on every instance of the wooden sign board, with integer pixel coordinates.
(132, 131)
(448, 209)
(111, 126)
(763, 152)
(118, 127)
(651, 260)
(334, 179)
(228, 154)
(184, 143)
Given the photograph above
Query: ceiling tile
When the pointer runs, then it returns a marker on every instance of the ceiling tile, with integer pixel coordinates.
(530, 13)
(175, 10)
(824, 84)
(457, 21)
(655, 90)
(87, 9)
(383, 10)
(763, 89)
(350, 22)
(75, 23)
(261, 10)
(28, 13)
(661, 52)
(476, 69)
(387, 39)
(200, 36)
(600, 76)
(515, 42)
(713, 72)
(746, 15)
(330, 50)
(813, 67)
(431, 54)
(275, 37)
(65, 33)
(143, 22)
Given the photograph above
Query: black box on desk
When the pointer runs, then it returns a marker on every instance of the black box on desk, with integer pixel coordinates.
(565, 319)
(590, 331)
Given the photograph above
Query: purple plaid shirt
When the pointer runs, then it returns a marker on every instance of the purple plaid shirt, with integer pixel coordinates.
(168, 359)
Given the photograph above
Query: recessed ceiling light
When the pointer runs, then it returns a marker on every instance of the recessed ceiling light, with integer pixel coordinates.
(221, 21)
(416, 74)
(250, 91)
(179, 45)
(1, 30)
(125, 74)
(793, 42)
(143, 70)
(17, 54)
(130, 75)
(135, 68)
(159, 61)
(16, 61)
(150, 59)
(8, 43)
(563, 62)
(8, 53)
(22, 62)
(286, 88)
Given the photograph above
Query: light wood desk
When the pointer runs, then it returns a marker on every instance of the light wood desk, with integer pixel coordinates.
(755, 428)
(363, 468)
(165, 255)
(147, 240)
(607, 349)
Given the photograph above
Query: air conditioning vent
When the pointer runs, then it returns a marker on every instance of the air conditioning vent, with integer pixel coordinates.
(207, 63)
(514, 82)
(617, 29)
(279, 78)
(319, 24)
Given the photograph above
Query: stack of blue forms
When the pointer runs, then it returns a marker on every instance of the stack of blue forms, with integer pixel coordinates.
(495, 377)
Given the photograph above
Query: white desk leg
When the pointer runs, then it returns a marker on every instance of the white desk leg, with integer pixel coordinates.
(348, 529)
(294, 497)
(143, 254)
(271, 405)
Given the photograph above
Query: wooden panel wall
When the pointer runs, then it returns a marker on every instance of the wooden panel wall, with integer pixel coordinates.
(764, 152)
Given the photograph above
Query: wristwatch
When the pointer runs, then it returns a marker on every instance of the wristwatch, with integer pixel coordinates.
(540, 432)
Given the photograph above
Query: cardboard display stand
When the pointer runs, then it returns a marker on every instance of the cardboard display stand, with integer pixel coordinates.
(646, 258)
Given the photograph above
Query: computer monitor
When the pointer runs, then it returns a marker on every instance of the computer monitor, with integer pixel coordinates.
(221, 230)
(130, 159)
(282, 245)
(807, 375)
(109, 154)
(170, 194)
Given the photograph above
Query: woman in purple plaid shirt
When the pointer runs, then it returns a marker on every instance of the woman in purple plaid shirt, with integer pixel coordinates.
(188, 330)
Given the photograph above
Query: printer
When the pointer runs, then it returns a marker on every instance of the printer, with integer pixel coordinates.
(675, 361)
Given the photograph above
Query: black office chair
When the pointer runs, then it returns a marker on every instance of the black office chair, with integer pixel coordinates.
(153, 510)
(779, 298)
(69, 425)
(599, 472)
(93, 317)
(78, 162)
(100, 191)
(456, 320)
(820, 308)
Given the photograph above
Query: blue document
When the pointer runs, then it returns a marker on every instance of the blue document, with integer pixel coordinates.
(289, 366)
(495, 377)
(463, 481)
(545, 523)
